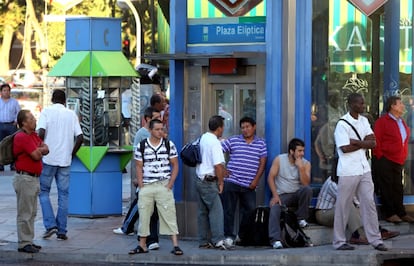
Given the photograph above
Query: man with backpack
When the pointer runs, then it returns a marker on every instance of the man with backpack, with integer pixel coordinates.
(209, 182)
(157, 170)
(132, 216)
(289, 179)
(352, 139)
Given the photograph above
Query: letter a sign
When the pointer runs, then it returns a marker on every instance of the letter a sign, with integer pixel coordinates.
(368, 7)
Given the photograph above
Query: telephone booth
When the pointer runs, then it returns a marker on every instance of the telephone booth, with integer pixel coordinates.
(97, 76)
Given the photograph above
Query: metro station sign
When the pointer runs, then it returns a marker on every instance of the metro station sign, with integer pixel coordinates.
(368, 7)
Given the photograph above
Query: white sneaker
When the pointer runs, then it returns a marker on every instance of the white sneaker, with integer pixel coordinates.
(154, 246)
(303, 223)
(277, 245)
(221, 245)
(118, 231)
(228, 242)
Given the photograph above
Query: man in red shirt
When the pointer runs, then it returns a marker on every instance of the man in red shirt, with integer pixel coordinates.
(28, 150)
(390, 154)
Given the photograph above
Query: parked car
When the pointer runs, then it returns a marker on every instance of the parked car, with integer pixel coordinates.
(22, 77)
(28, 98)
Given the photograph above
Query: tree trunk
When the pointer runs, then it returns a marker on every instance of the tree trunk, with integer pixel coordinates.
(40, 37)
(5, 48)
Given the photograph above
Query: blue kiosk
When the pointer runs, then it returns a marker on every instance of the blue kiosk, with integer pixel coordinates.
(97, 74)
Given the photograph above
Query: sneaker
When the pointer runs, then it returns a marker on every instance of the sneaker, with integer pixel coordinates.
(277, 245)
(302, 223)
(49, 232)
(221, 245)
(228, 242)
(118, 231)
(154, 246)
(62, 237)
(381, 247)
(237, 240)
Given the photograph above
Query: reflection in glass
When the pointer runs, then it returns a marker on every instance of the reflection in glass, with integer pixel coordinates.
(224, 102)
(249, 103)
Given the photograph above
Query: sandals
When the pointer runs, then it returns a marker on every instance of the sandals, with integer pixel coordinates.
(137, 250)
(177, 251)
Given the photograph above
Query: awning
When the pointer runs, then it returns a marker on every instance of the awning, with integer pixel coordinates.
(102, 64)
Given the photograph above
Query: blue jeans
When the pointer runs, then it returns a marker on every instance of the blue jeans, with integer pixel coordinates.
(210, 212)
(61, 175)
(232, 194)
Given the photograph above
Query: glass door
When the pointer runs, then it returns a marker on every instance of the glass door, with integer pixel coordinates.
(234, 101)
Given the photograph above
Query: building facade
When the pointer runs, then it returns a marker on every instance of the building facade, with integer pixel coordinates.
(288, 64)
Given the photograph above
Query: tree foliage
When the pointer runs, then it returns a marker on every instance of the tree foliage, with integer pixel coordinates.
(18, 24)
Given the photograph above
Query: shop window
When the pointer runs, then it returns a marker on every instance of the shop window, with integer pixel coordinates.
(343, 53)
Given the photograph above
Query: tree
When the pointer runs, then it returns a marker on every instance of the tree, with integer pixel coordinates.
(42, 44)
(12, 16)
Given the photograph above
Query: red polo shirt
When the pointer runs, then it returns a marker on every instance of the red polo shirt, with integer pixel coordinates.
(389, 141)
(23, 145)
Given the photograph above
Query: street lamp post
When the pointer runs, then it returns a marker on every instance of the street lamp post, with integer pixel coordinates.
(138, 29)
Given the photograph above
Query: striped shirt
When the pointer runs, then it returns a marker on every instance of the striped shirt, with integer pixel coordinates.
(9, 110)
(244, 158)
(327, 195)
(156, 161)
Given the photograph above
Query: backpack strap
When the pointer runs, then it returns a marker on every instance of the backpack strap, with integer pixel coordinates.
(356, 132)
(167, 146)
(144, 141)
(142, 149)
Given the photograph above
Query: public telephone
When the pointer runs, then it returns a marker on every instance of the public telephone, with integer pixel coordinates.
(114, 119)
(99, 109)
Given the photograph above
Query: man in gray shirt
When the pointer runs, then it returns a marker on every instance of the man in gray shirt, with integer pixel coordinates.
(289, 180)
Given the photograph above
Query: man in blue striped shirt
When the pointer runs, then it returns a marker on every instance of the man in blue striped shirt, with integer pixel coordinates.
(248, 155)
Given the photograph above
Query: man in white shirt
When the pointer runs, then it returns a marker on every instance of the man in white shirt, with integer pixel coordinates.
(354, 174)
(58, 126)
(209, 180)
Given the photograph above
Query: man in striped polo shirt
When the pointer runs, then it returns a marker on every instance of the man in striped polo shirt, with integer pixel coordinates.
(248, 155)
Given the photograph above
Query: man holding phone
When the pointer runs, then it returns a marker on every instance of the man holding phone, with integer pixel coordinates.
(289, 181)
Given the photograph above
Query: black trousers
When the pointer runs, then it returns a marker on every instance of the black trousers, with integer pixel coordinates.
(388, 181)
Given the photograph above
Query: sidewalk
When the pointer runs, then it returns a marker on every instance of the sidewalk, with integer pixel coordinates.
(92, 242)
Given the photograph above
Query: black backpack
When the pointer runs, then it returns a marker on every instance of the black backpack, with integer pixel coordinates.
(292, 236)
(254, 231)
(6, 149)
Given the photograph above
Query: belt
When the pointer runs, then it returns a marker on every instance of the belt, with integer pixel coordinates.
(27, 173)
(210, 178)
